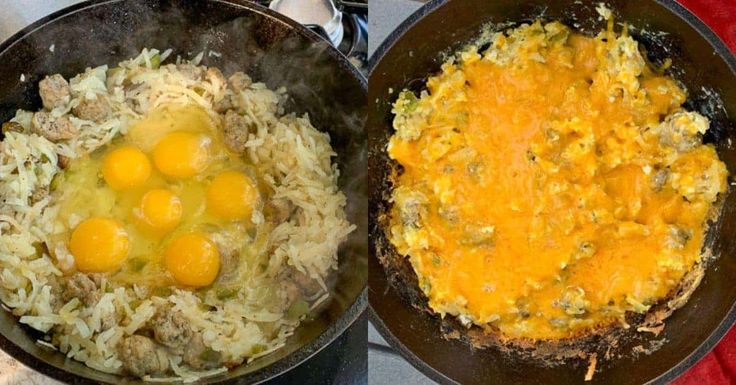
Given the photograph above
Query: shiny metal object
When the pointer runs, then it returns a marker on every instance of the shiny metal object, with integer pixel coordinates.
(314, 13)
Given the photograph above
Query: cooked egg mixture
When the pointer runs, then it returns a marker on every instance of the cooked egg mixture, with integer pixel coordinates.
(159, 205)
(551, 183)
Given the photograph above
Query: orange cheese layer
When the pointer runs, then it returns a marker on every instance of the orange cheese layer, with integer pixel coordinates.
(551, 183)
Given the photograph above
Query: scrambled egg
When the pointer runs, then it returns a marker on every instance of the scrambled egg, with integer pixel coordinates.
(551, 183)
(161, 204)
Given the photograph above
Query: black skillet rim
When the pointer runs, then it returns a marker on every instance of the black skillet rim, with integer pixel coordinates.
(707, 345)
(349, 316)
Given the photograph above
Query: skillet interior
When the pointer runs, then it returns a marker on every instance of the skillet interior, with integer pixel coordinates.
(701, 62)
(250, 38)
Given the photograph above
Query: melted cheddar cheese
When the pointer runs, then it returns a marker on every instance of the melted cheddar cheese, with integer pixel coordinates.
(551, 183)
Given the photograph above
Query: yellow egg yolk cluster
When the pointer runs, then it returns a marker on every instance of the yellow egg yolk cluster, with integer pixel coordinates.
(231, 196)
(181, 155)
(193, 260)
(99, 245)
(159, 205)
(126, 167)
(159, 212)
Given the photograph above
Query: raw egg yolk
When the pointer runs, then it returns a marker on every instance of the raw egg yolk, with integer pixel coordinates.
(181, 154)
(99, 245)
(159, 212)
(193, 260)
(231, 196)
(126, 167)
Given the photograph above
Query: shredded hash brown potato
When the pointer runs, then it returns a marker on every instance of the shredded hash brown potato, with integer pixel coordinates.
(130, 317)
(550, 184)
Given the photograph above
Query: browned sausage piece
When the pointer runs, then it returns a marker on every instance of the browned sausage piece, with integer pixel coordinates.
(53, 129)
(170, 328)
(236, 131)
(95, 110)
(83, 287)
(54, 91)
(140, 356)
(224, 104)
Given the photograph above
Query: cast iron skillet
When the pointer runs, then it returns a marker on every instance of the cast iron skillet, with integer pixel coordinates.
(269, 47)
(701, 61)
